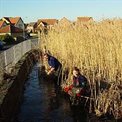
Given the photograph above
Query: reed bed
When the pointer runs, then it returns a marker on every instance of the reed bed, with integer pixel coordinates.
(96, 48)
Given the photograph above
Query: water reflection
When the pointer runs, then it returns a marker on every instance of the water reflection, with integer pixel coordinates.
(41, 103)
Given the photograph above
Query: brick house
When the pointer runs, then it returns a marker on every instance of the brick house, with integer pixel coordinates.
(13, 26)
(16, 21)
(45, 24)
(84, 19)
(11, 30)
(64, 22)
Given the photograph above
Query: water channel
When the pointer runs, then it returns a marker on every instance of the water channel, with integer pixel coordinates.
(42, 104)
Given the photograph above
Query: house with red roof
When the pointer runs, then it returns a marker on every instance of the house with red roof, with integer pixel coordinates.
(13, 26)
(16, 21)
(11, 30)
(84, 19)
(46, 23)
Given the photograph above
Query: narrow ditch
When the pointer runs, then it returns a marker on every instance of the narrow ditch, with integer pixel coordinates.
(42, 104)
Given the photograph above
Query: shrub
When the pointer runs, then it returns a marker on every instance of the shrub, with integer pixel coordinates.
(8, 39)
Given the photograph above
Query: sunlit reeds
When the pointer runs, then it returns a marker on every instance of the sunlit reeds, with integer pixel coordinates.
(96, 48)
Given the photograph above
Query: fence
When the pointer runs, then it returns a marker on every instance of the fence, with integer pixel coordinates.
(12, 55)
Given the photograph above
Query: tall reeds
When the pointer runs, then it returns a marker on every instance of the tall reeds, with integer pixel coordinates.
(96, 48)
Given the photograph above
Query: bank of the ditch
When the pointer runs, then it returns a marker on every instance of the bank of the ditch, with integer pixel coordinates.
(12, 89)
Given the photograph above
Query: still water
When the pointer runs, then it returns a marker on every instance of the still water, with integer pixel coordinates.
(42, 104)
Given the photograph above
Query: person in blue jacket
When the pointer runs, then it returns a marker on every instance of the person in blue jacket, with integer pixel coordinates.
(78, 85)
(79, 81)
(55, 68)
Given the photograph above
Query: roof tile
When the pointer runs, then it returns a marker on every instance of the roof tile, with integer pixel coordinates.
(47, 21)
(84, 19)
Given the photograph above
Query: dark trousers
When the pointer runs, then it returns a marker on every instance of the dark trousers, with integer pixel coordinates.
(58, 77)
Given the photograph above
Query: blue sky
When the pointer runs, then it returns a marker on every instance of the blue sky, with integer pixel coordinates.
(31, 10)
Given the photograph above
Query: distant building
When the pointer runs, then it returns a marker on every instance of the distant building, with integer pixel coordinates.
(31, 27)
(84, 19)
(11, 30)
(64, 22)
(45, 24)
(16, 21)
(13, 26)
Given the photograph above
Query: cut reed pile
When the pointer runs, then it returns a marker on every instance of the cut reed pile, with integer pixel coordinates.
(96, 48)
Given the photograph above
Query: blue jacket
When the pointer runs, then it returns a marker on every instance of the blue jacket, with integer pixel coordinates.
(53, 62)
(79, 81)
